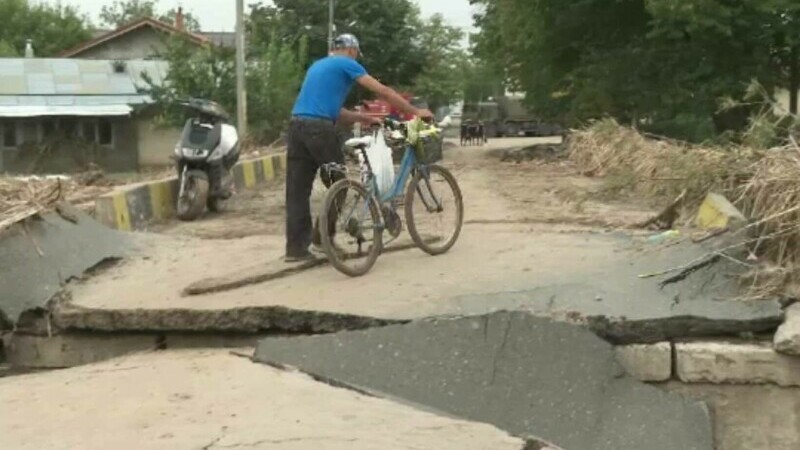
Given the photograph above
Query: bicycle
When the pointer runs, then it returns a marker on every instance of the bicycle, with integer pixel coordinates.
(417, 184)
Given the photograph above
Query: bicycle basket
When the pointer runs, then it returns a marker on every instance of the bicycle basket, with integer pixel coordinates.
(425, 140)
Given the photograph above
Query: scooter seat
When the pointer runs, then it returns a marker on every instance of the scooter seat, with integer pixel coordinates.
(361, 142)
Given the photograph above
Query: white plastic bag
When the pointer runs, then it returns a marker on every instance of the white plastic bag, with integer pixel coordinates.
(380, 158)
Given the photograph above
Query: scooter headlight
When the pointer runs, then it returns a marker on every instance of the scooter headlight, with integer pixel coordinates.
(194, 153)
(215, 155)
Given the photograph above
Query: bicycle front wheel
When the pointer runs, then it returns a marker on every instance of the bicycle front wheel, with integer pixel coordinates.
(434, 209)
(351, 230)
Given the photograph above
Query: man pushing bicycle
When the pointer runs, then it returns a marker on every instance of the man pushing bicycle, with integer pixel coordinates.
(312, 140)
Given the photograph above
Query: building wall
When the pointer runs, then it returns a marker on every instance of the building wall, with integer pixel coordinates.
(138, 44)
(156, 143)
(37, 151)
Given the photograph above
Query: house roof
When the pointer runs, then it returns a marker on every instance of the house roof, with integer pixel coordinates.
(142, 23)
(37, 87)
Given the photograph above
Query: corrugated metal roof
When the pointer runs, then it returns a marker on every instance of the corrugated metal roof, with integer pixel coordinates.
(61, 100)
(65, 83)
(20, 76)
(72, 110)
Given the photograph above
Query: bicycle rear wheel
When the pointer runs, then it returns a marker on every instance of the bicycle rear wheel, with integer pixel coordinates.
(350, 225)
(434, 209)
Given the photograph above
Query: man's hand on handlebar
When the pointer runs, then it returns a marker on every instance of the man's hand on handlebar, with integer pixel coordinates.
(370, 120)
(424, 114)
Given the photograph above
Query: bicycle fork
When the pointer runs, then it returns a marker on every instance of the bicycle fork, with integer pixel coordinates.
(437, 207)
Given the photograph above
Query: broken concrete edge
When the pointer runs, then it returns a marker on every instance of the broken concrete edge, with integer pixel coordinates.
(619, 331)
(74, 349)
(67, 317)
(724, 362)
(133, 207)
(45, 251)
(647, 362)
(717, 361)
(711, 361)
(787, 338)
(531, 442)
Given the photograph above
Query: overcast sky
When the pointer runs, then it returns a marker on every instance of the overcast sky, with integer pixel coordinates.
(220, 15)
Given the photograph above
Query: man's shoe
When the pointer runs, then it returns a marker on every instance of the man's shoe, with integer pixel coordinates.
(304, 257)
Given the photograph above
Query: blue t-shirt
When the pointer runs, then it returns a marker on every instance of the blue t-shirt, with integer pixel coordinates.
(326, 86)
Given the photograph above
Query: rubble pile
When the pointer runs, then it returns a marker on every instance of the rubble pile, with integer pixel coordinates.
(22, 197)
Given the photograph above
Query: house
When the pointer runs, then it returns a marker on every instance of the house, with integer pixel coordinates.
(57, 115)
(143, 39)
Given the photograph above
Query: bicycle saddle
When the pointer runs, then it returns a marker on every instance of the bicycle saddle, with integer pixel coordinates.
(362, 142)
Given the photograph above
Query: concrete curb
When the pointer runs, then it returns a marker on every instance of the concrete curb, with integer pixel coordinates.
(132, 207)
(735, 363)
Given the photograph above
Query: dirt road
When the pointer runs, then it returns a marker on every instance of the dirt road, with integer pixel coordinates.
(495, 192)
(517, 215)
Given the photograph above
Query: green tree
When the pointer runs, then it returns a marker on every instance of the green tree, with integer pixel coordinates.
(482, 81)
(51, 28)
(442, 79)
(387, 31)
(273, 81)
(123, 12)
(274, 77)
(660, 64)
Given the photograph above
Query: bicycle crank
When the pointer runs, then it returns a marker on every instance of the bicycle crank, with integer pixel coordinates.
(394, 225)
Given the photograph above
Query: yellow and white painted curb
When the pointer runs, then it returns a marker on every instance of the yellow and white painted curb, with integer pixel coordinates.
(133, 207)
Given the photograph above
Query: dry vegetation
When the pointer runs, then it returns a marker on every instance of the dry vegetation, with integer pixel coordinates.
(764, 184)
(23, 197)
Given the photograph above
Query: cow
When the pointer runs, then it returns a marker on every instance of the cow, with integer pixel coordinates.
(472, 133)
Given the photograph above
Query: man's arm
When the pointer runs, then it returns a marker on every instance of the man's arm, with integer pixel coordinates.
(392, 97)
(348, 117)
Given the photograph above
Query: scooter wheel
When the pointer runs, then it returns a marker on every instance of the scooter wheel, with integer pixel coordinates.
(193, 202)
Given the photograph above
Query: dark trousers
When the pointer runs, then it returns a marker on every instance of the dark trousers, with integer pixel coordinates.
(311, 143)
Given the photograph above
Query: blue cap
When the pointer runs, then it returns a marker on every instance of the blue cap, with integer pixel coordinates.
(345, 41)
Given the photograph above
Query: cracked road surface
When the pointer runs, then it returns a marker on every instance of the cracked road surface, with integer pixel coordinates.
(214, 400)
(536, 237)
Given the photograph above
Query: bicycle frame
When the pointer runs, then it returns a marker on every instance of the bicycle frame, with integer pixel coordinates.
(407, 164)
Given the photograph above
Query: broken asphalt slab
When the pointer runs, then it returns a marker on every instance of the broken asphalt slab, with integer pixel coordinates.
(625, 304)
(595, 280)
(40, 254)
(527, 375)
(614, 317)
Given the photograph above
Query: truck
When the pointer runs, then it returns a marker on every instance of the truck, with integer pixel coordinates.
(506, 116)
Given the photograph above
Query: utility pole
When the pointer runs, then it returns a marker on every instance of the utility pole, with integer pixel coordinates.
(241, 88)
(330, 25)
